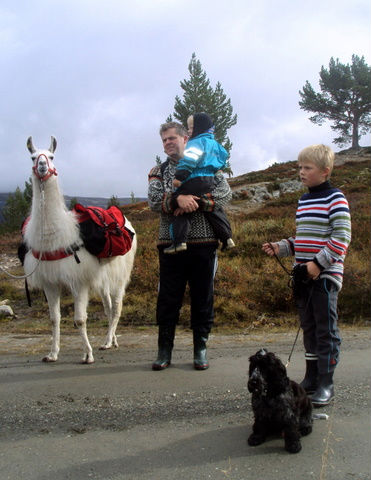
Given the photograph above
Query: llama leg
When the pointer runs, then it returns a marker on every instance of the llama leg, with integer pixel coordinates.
(116, 307)
(53, 297)
(81, 304)
(107, 305)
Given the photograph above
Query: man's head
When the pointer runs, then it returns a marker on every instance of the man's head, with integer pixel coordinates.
(315, 164)
(174, 138)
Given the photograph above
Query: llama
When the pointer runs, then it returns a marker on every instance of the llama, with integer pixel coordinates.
(55, 246)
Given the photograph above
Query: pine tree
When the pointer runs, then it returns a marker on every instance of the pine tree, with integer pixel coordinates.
(199, 96)
(72, 203)
(113, 201)
(16, 209)
(345, 99)
(132, 195)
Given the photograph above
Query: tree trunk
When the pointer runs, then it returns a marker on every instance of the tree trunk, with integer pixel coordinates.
(355, 144)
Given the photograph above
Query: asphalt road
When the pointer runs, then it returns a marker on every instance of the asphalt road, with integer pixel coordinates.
(118, 420)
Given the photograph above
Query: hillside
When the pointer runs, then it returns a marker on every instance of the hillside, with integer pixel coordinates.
(252, 189)
(251, 289)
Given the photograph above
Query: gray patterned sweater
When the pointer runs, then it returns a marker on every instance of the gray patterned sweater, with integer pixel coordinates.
(161, 199)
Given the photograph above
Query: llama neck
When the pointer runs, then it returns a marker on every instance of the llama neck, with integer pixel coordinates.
(51, 226)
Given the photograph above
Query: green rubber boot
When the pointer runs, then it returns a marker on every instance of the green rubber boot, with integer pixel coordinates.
(200, 361)
(166, 336)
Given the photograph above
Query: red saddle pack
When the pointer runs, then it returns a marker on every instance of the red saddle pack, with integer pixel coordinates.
(103, 231)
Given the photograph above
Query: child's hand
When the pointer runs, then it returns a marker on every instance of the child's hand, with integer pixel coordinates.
(313, 270)
(176, 183)
(270, 248)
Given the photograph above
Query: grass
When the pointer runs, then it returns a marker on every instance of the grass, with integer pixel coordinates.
(251, 289)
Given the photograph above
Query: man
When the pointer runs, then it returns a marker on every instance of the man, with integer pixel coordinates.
(197, 264)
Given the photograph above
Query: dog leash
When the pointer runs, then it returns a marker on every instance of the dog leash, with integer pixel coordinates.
(290, 284)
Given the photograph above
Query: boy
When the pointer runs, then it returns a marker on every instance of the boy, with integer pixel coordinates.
(323, 233)
(194, 175)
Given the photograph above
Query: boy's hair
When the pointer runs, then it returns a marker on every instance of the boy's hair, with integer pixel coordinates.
(180, 130)
(321, 155)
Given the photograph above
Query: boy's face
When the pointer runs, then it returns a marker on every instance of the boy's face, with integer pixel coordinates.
(190, 125)
(311, 175)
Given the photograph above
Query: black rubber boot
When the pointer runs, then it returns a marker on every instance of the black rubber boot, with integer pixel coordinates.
(310, 381)
(325, 390)
(199, 350)
(165, 347)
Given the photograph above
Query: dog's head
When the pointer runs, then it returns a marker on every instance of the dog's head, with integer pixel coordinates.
(267, 374)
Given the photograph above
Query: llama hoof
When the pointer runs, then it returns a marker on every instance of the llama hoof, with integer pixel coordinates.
(105, 347)
(49, 359)
(87, 360)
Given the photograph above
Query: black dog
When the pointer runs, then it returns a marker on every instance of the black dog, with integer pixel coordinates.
(280, 405)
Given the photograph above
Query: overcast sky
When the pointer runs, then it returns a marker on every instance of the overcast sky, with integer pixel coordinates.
(101, 76)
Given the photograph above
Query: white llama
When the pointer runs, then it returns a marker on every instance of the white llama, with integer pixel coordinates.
(51, 235)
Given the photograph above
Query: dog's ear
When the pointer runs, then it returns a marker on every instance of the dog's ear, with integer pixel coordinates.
(278, 380)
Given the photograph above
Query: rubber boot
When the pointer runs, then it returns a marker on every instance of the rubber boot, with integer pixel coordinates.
(325, 390)
(165, 347)
(199, 350)
(310, 381)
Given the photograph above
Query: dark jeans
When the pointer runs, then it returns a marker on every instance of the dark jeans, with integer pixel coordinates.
(317, 306)
(195, 266)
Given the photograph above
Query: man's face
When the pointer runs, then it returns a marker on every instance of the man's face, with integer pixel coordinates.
(173, 143)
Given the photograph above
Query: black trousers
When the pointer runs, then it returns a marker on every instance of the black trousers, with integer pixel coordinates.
(317, 306)
(195, 266)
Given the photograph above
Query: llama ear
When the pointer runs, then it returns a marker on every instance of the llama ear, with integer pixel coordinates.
(30, 146)
(53, 145)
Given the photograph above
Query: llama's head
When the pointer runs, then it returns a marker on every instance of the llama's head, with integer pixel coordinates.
(43, 166)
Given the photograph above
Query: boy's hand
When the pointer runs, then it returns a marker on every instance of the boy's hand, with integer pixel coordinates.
(313, 270)
(270, 248)
(176, 183)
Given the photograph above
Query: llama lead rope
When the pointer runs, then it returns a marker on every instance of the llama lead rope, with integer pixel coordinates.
(42, 205)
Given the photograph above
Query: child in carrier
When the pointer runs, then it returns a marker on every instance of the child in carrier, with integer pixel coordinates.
(194, 175)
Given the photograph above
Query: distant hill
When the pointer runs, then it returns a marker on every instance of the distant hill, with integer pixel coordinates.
(101, 201)
(93, 201)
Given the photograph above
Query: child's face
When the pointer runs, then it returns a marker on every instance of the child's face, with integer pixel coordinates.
(311, 175)
(190, 125)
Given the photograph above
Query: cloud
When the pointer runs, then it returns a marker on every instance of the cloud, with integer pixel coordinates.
(102, 76)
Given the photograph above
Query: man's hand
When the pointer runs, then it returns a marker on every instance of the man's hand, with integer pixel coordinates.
(176, 183)
(188, 203)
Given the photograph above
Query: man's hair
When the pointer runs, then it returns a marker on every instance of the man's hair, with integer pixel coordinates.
(180, 130)
(321, 155)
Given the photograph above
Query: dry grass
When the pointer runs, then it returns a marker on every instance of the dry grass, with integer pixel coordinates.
(251, 289)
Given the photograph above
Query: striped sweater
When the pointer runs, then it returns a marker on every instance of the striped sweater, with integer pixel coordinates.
(323, 231)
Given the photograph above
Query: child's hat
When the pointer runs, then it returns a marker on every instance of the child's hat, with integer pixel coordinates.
(202, 123)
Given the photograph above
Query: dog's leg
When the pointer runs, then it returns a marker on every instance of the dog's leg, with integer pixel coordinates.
(259, 433)
(292, 438)
(306, 423)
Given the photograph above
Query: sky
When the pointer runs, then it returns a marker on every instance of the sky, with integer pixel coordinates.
(102, 76)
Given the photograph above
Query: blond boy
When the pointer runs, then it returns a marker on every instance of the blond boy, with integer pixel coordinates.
(323, 233)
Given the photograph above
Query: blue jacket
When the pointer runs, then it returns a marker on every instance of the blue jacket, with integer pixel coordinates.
(203, 157)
